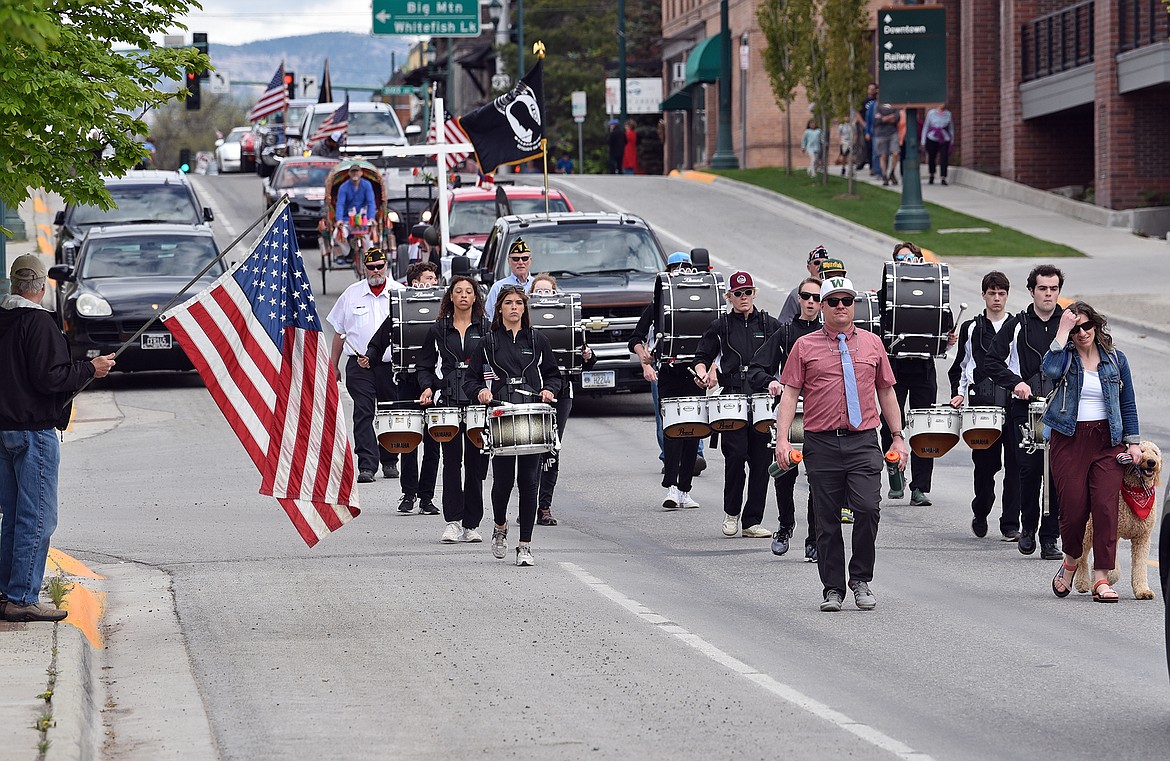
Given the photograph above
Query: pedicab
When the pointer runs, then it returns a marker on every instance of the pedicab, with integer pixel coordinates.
(344, 241)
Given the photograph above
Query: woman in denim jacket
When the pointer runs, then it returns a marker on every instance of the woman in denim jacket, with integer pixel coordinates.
(1093, 419)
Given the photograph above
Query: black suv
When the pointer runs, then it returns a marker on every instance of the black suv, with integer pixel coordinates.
(612, 260)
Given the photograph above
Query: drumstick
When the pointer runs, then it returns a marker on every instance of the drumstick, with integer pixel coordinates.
(345, 338)
(962, 308)
(530, 393)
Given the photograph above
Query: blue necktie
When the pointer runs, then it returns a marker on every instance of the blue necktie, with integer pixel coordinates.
(851, 401)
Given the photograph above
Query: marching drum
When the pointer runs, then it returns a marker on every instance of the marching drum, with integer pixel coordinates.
(558, 316)
(412, 312)
(688, 301)
(685, 417)
(398, 430)
(475, 419)
(933, 431)
(763, 414)
(522, 429)
(866, 314)
(727, 412)
(443, 423)
(1032, 436)
(982, 426)
(915, 309)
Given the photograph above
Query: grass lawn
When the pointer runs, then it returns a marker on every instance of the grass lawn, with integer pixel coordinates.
(875, 206)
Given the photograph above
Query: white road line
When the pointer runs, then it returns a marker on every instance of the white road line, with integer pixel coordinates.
(779, 689)
(221, 219)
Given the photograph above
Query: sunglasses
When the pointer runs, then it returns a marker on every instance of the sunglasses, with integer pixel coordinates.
(834, 301)
(806, 296)
(1081, 326)
(519, 258)
(512, 289)
(375, 267)
(744, 292)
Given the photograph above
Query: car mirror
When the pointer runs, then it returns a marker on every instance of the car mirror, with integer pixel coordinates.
(69, 251)
(62, 273)
(208, 215)
(413, 129)
(430, 235)
(219, 142)
(59, 219)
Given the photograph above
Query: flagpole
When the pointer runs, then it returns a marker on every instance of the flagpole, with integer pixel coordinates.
(538, 50)
(441, 168)
(544, 153)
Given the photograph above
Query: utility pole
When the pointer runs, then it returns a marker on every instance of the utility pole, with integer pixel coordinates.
(621, 10)
(724, 157)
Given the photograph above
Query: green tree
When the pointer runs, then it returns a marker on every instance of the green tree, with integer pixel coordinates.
(848, 51)
(174, 127)
(787, 26)
(76, 77)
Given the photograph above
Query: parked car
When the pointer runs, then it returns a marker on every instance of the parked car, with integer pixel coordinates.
(140, 197)
(272, 134)
(237, 151)
(123, 277)
(302, 178)
(373, 127)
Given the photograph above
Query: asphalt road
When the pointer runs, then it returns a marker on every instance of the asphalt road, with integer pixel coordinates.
(640, 633)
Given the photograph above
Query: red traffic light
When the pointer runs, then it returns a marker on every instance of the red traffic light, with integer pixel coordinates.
(288, 79)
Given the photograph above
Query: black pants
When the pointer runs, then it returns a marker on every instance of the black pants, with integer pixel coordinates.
(464, 469)
(936, 150)
(916, 380)
(786, 503)
(679, 465)
(1003, 453)
(844, 470)
(523, 471)
(1031, 478)
(418, 482)
(368, 386)
(746, 456)
(550, 464)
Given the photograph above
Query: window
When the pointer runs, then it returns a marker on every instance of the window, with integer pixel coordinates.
(142, 203)
(472, 217)
(570, 251)
(156, 255)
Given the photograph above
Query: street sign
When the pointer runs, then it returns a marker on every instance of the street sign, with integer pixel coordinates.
(219, 82)
(643, 94)
(912, 55)
(579, 104)
(401, 90)
(428, 18)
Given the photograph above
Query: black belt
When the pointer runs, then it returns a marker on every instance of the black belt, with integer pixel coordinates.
(844, 431)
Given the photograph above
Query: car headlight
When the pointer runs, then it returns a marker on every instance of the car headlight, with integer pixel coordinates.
(89, 305)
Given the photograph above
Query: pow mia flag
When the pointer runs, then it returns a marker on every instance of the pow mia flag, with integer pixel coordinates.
(509, 130)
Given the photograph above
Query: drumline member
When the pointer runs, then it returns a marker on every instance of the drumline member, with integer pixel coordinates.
(1014, 362)
(550, 465)
(672, 381)
(520, 262)
(514, 363)
(841, 369)
(445, 364)
(360, 309)
(791, 308)
(735, 338)
(970, 383)
(763, 375)
(416, 482)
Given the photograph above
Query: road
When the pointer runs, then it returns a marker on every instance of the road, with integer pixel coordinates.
(640, 633)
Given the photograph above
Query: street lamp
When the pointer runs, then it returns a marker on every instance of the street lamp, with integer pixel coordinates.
(724, 157)
(495, 13)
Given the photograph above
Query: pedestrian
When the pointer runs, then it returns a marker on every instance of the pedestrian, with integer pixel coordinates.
(810, 143)
(845, 134)
(38, 377)
(792, 304)
(564, 164)
(841, 370)
(938, 132)
(886, 142)
(1093, 420)
(866, 114)
(630, 153)
(617, 146)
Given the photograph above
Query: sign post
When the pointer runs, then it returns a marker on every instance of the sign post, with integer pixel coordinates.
(426, 18)
(580, 104)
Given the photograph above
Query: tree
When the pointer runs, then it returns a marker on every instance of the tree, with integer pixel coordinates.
(847, 55)
(76, 78)
(786, 24)
(174, 127)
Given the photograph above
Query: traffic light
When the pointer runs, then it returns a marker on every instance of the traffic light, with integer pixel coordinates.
(199, 42)
(184, 160)
(290, 81)
(195, 98)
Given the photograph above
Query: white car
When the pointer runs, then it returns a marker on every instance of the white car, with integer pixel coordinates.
(229, 150)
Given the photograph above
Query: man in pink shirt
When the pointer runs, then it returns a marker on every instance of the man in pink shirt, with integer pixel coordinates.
(845, 375)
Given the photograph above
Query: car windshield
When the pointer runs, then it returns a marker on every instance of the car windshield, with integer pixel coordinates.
(477, 217)
(303, 175)
(233, 137)
(149, 256)
(363, 123)
(589, 249)
(142, 203)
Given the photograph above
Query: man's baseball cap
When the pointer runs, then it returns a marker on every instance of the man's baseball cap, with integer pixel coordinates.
(820, 252)
(374, 255)
(28, 267)
(832, 268)
(519, 246)
(739, 280)
(837, 285)
(678, 257)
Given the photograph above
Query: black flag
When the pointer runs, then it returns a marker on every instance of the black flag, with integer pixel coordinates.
(325, 95)
(509, 130)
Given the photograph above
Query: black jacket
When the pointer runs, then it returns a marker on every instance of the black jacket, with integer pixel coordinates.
(770, 358)
(1020, 347)
(735, 340)
(37, 373)
(980, 333)
(509, 364)
(446, 351)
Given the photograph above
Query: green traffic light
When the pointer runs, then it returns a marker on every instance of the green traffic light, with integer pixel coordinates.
(184, 168)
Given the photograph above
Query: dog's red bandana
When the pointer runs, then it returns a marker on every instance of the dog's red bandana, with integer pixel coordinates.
(1140, 500)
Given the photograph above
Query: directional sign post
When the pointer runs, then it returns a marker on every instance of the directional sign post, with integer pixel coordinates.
(427, 18)
(401, 90)
(220, 83)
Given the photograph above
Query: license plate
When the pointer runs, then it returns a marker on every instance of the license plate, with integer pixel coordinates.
(156, 340)
(598, 379)
(314, 196)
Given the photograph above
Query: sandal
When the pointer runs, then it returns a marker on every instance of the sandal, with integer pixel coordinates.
(545, 517)
(1104, 595)
(1064, 576)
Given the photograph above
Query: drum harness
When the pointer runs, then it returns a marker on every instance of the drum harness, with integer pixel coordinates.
(513, 385)
(459, 366)
(987, 388)
(725, 325)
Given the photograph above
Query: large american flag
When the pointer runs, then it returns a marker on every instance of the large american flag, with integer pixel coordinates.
(274, 99)
(452, 133)
(256, 340)
(338, 121)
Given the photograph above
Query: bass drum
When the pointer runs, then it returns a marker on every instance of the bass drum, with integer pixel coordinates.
(915, 307)
(558, 317)
(688, 300)
(866, 314)
(412, 312)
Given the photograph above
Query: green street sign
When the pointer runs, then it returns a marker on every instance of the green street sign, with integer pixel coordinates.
(427, 18)
(401, 90)
(912, 55)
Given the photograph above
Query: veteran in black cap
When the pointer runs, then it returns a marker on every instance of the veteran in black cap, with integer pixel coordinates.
(520, 262)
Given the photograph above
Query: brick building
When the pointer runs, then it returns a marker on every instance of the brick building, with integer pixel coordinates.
(1049, 93)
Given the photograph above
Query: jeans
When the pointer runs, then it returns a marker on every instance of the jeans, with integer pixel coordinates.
(28, 505)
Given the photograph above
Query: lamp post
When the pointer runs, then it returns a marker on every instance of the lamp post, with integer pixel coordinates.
(498, 13)
(912, 215)
(621, 33)
(724, 157)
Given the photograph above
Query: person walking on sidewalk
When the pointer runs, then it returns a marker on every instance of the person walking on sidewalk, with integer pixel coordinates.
(630, 152)
(885, 141)
(38, 377)
(811, 143)
(938, 132)
(617, 146)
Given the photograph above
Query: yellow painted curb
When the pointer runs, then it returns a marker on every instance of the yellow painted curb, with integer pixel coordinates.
(694, 176)
(85, 610)
(68, 564)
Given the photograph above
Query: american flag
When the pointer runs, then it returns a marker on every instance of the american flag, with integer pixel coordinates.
(338, 121)
(489, 373)
(256, 340)
(452, 133)
(274, 99)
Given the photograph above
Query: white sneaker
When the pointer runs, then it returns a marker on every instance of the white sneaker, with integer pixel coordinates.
(671, 501)
(757, 532)
(684, 500)
(452, 533)
(524, 555)
(499, 543)
(472, 535)
(730, 525)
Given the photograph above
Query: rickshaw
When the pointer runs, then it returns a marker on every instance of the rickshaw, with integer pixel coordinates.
(364, 233)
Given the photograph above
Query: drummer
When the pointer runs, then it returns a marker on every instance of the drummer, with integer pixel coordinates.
(444, 365)
(520, 262)
(514, 364)
(791, 309)
(970, 379)
(735, 338)
(416, 483)
(763, 375)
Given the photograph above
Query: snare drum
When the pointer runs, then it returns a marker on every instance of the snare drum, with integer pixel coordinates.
(688, 301)
(412, 312)
(982, 426)
(763, 415)
(933, 431)
(727, 412)
(1033, 437)
(398, 430)
(522, 429)
(915, 306)
(685, 417)
(558, 317)
(475, 419)
(443, 423)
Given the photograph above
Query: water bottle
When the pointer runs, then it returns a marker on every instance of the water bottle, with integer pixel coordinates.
(776, 469)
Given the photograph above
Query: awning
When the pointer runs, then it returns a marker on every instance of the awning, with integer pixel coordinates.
(681, 99)
(703, 62)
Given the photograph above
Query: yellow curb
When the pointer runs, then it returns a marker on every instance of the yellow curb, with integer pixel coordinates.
(85, 610)
(68, 564)
(39, 205)
(68, 429)
(694, 176)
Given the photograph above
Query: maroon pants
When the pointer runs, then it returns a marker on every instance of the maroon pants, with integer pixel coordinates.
(1088, 482)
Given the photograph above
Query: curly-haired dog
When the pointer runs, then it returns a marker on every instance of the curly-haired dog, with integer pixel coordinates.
(1137, 514)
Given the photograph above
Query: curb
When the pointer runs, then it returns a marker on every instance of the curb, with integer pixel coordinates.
(75, 733)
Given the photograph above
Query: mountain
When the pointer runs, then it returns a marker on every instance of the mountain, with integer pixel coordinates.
(354, 59)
